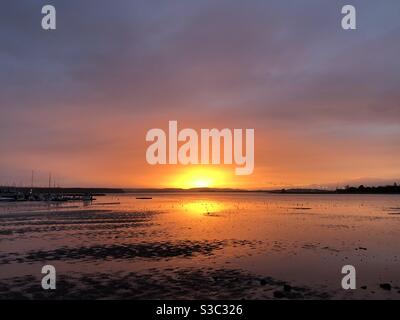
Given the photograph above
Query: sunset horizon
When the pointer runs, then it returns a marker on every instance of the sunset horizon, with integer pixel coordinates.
(199, 158)
(194, 178)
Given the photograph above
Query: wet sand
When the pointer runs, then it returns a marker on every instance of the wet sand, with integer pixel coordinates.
(202, 246)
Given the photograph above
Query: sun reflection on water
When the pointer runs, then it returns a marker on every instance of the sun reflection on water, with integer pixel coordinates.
(203, 207)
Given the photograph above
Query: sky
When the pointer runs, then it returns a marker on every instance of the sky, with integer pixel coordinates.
(78, 101)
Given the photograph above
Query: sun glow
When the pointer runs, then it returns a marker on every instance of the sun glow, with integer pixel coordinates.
(203, 183)
(201, 178)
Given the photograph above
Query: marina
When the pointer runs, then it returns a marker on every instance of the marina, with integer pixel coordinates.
(54, 195)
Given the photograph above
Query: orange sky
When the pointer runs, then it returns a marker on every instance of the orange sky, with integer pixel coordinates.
(117, 159)
(78, 102)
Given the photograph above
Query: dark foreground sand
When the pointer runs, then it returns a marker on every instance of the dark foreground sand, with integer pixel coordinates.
(194, 283)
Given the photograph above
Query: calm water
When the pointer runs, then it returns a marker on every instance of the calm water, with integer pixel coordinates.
(207, 245)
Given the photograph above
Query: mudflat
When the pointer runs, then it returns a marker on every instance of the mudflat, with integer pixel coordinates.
(202, 246)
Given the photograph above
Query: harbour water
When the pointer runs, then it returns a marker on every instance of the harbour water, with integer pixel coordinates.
(202, 246)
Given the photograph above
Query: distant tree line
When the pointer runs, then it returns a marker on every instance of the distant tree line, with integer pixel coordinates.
(393, 189)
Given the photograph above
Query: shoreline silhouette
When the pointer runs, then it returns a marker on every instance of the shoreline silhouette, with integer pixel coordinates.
(22, 193)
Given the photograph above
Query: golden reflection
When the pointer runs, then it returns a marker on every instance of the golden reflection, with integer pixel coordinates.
(203, 207)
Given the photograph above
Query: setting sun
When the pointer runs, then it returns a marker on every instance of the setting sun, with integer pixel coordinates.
(202, 177)
(203, 183)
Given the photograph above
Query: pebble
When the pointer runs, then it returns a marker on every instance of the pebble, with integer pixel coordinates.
(287, 288)
(279, 294)
(386, 286)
